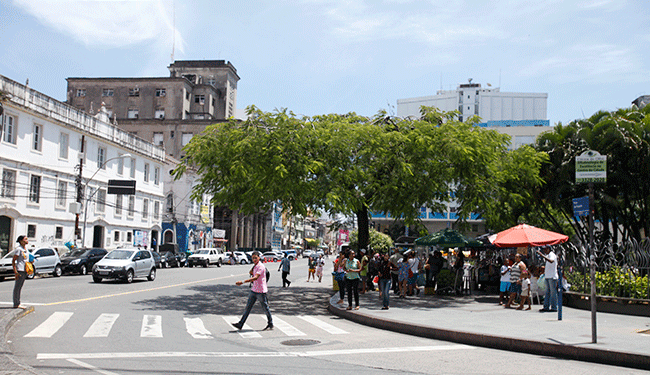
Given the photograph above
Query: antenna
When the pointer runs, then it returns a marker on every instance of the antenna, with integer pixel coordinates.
(173, 28)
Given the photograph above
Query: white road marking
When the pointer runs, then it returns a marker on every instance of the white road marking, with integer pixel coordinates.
(196, 328)
(102, 326)
(315, 353)
(285, 327)
(151, 326)
(323, 325)
(90, 367)
(50, 325)
(247, 332)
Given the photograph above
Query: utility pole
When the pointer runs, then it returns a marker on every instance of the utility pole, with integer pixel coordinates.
(80, 188)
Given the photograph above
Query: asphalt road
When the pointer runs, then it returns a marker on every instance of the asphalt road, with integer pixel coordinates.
(179, 324)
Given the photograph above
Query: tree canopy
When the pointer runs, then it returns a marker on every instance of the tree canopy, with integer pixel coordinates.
(352, 164)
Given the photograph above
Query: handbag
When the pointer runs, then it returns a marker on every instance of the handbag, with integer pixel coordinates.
(541, 284)
(410, 273)
(29, 268)
(339, 276)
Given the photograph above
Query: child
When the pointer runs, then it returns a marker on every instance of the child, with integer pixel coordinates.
(504, 287)
(312, 269)
(525, 290)
(319, 268)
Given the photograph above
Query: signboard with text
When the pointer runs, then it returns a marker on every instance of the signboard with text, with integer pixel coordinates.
(591, 167)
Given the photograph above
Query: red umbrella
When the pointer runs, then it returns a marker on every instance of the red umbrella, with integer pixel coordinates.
(528, 235)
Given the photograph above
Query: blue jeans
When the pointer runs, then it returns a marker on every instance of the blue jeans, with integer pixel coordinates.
(252, 297)
(550, 299)
(384, 287)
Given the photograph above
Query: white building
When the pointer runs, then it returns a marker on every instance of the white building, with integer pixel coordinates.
(40, 156)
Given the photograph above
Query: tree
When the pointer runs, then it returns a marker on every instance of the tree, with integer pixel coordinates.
(379, 242)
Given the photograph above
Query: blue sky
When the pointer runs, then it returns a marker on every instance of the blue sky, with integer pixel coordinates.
(327, 56)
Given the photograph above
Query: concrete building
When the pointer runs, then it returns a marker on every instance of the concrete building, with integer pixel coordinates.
(43, 167)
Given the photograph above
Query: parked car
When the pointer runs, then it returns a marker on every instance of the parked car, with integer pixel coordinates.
(205, 257)
(82, 260)
(171, 259)
(307, 253)
(46, 260)
(272, 256)
(240, 257)
(125, 264)
(291, 254)
(6, 268)
(156, 258)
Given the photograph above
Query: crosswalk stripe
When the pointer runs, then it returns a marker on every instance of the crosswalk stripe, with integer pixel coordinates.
(323, 325)
(285, 327)
(151, 326)
(102, 326)
(246, 332)
(50, 325)
(196, 328)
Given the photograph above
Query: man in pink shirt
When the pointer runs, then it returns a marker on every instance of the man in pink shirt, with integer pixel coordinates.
(258, 292)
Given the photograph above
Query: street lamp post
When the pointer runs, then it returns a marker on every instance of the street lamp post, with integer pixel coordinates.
(83, 237)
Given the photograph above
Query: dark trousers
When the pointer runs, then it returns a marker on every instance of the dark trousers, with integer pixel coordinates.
(353, 287)
(252, 297)
(285, 281)
(18, 287)
(341, 288)
(395, 278)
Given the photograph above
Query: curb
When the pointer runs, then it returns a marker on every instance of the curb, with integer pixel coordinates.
(607, 357)
(7, 359)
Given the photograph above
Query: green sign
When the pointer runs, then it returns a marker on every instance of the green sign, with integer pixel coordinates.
(591, 167)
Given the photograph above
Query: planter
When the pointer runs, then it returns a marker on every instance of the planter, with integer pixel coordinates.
(614, 305)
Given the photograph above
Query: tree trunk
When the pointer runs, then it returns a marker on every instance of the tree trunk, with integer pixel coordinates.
(364, 228)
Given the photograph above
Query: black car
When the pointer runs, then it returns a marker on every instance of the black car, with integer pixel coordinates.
(157, 258)
(171, 259)
(81, 261)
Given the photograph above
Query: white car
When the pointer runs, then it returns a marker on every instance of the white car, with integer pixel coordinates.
(125, 264)
(46, 260)
(240, 257)
(205, 257)
(6, 268)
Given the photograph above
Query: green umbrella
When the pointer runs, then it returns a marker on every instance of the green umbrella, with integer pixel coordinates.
(447, 238)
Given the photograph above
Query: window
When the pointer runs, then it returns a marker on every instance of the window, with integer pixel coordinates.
(134, 92)
(116, 236)
(9, 129)
(81, 92)
(128, 236)
(156, 176)
(186, 138)
(101, 158)
(37, 137)
(118, 204)
(101, 201)
(158, 139)
(199, 99)
(108, 92)
(161, 92)
(35, 189)
(120, 165)
(63, 145)
(160, 113)
(156, 210)
(170, 202)
(58, 233)
(31, 231)
(187, 95)
(61, 192)
(132, 113)
(8, 184)
(132, 169)
(145, 208)
(171, 134)
(213, 102)
(131, 210)
(146, 172)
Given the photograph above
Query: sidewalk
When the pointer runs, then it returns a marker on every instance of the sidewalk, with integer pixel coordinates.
(479, 321)
(8, 364)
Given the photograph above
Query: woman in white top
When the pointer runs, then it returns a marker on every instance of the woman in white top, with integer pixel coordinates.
(18, 262)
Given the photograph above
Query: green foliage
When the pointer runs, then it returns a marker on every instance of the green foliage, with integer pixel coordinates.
(379, 242)
(615, 282)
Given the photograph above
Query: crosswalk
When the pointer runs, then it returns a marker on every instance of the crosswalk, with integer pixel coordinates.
(152, 326)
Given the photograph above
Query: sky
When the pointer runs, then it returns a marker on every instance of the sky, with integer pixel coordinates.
(336, 56)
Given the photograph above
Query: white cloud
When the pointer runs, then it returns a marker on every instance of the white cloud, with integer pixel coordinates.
(106, 23)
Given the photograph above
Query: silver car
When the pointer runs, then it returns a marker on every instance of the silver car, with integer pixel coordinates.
(125, 264)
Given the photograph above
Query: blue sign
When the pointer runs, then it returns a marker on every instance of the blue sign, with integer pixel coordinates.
(581, 206)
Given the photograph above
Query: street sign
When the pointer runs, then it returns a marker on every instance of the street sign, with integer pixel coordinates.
(581, 206)
(591, 167)
(124, 187)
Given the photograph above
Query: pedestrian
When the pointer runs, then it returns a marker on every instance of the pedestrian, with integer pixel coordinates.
(364, 271)
(504, 286)
(385, 278)
(257, 293)
(435, 263)
(339, 275)
(311, 263)
(525, 290)
(403, 267)
(394, 273)
(19, 260)
(319, 267)
(413, 274)
(550, 279)
(285, 266)
(352, 278)
(515, 279)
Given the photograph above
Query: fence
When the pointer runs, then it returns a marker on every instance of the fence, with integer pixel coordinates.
(622, 270)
